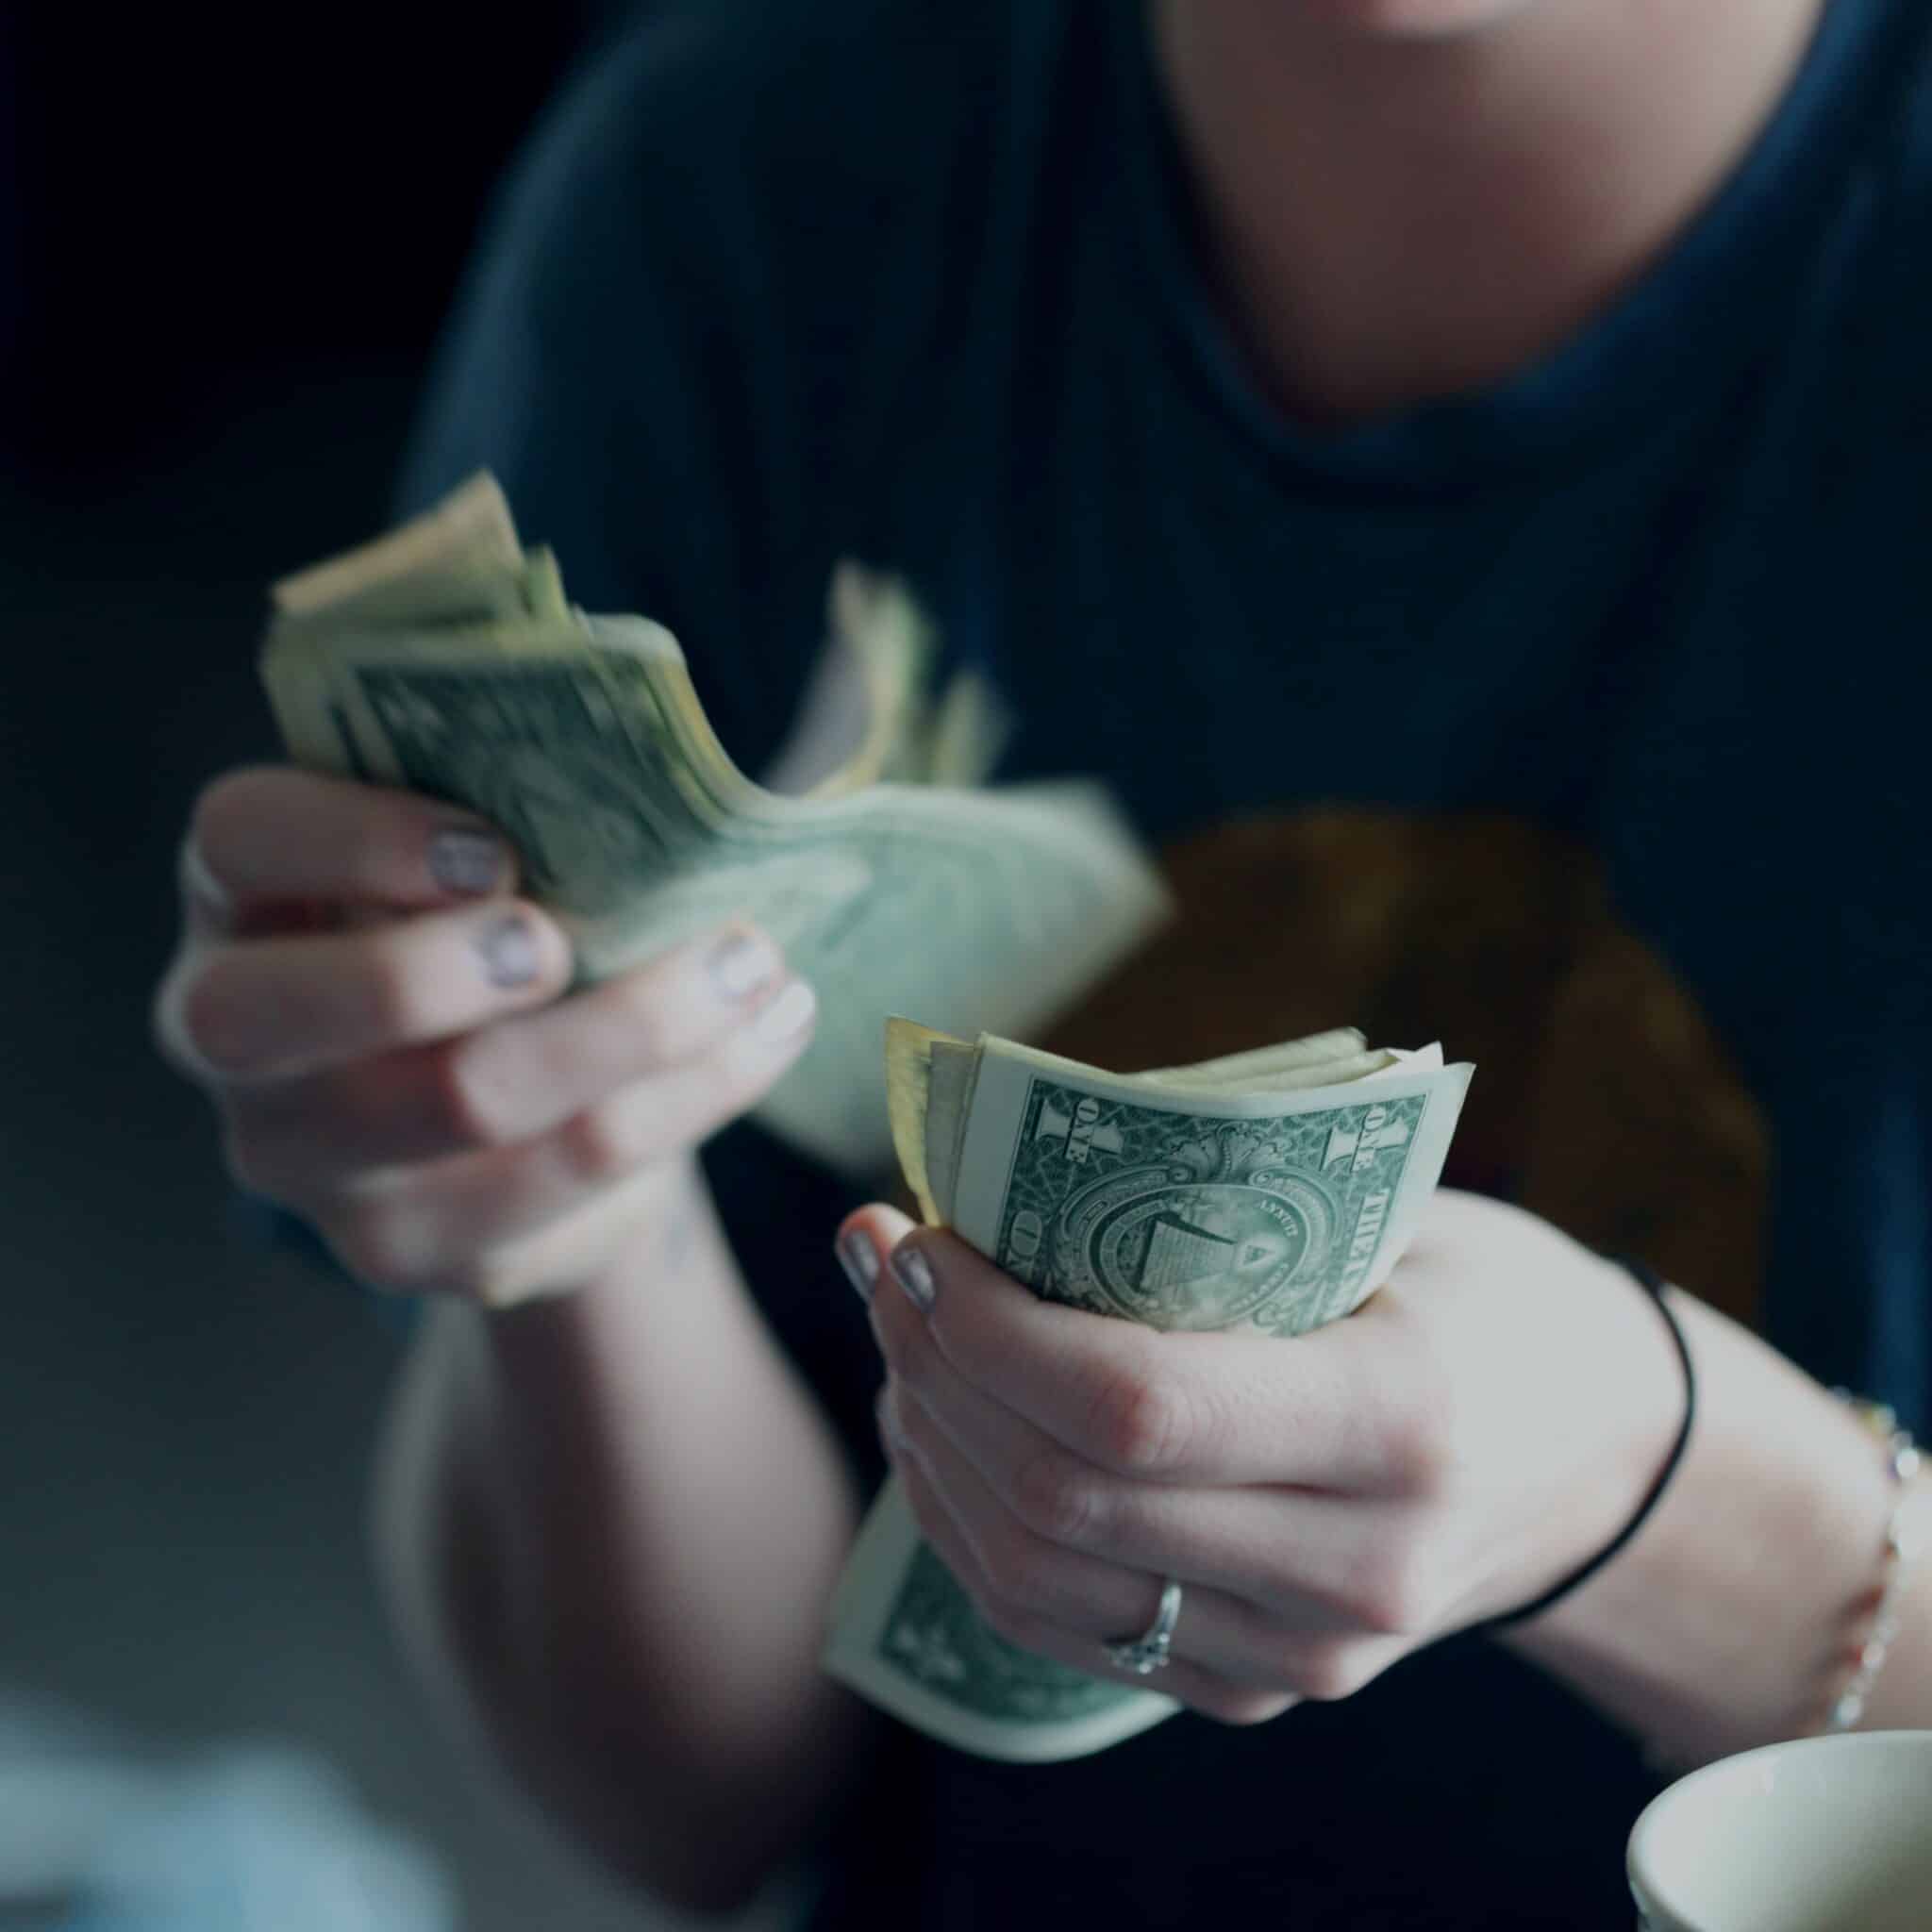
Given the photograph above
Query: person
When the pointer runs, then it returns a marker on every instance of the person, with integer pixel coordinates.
(1457, 469)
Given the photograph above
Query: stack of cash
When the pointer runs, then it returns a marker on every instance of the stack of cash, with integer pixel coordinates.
(1268, 1192)
(444, 658)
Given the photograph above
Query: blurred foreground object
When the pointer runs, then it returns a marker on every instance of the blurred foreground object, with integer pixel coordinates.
(1270, 1191)
(445, 659)
(99, 1836)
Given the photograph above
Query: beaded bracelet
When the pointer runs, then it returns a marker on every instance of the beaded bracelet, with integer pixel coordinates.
(1905, 1539)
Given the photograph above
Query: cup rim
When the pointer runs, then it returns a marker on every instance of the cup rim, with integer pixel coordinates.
(1646, 1825)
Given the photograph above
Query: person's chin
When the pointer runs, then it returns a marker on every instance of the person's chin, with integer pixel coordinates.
(1416, 20)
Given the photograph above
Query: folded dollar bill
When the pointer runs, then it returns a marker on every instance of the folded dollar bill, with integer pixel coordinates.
(1268, 1192)
(444, 658)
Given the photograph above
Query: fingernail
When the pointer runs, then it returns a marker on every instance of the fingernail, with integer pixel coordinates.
(913, 1272)
(861, 1261)
(787, 1016)
(509, 950)
(740, 964)
(462, 861)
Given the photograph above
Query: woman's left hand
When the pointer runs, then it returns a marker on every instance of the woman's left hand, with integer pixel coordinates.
(1331, 1502)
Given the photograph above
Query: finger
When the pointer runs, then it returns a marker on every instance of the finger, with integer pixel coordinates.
(427, 1228)
(527, 1073)
(1322, 1409)
(1301, 1558)
(273, 1008)
(1065, 1606)
(864, 1238)
(1186, 1682)
(273, 836)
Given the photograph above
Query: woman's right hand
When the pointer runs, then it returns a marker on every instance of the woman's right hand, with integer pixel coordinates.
(376, 1015)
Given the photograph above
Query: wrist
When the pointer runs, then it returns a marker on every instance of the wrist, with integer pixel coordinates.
(1620, 1488)
(1707, 1635)
(1876, 1616)
(659, 1224)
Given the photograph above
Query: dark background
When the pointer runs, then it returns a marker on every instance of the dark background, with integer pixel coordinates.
(227, 242)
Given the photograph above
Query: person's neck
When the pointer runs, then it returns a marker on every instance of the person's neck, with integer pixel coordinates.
(1391, 220)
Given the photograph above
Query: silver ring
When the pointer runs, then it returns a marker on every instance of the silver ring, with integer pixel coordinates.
(1148, 1653)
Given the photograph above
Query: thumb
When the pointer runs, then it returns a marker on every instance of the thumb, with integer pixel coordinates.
(865, 1238)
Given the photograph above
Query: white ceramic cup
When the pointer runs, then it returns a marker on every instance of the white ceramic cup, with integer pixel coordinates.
(1818, 1835)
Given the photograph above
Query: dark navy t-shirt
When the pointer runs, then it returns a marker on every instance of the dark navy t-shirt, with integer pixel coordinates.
(776, 284)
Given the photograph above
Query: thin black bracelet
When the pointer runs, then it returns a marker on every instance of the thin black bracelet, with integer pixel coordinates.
(1654, 1282)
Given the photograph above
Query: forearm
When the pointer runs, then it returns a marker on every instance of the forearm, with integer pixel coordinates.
(1723, 1623)
(612, 1522)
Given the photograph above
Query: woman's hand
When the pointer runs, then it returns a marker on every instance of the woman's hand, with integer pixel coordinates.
(376, 1014)
(1476, 1431)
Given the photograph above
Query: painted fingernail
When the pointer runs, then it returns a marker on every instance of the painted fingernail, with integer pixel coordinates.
(787, 1016)
(463, 861)
(740, 964)
(861, 1261)
(509, 950)
(913, 1272)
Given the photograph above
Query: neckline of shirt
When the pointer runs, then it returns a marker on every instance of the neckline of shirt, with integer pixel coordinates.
(1676, 339)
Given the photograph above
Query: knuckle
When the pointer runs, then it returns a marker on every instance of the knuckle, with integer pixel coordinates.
(1239, 1705)
(1143, 1422)
(1052, 1497)
(370, 840)
(1394, 1594)
(1417, 1412)
(601, 1144)
(469, 1104)
(490, 1281)
(380, 1247)
(203, 1007)
(1328, 1672)
(650, 1030)
(234, 798)
(1422, 1459)
(747, 1069)
(399, 996)
(1320, 1677)
(910, 1356)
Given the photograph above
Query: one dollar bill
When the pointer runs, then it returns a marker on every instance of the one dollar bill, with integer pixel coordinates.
(445, 659)
(1269, 1193)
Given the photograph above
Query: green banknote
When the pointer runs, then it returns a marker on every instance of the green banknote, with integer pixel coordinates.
(1269, 1193)
(445, 660)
